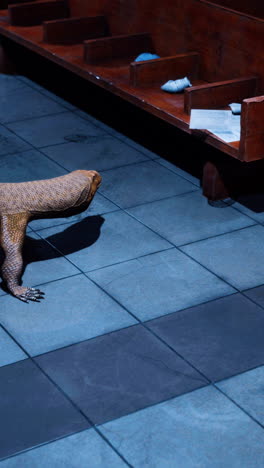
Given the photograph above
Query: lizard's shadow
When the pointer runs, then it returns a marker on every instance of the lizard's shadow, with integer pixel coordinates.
(73, 238)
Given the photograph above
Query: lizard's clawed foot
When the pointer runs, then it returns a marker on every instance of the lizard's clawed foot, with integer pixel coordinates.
(28, 294)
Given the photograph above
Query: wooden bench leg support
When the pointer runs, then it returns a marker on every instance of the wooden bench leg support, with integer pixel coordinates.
(213, 185)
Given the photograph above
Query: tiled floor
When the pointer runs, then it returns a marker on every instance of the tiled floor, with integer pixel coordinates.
(148, 349)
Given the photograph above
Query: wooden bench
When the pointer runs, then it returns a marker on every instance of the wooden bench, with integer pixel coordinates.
(218, 45)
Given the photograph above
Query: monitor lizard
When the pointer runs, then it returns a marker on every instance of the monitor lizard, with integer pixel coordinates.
(23, 201)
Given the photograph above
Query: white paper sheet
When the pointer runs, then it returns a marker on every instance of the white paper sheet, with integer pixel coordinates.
(221, 123)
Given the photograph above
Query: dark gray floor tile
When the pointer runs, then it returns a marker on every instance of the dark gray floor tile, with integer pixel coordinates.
(247, 391)
(188, 218)
(121, 372)
(140, 183)
(10, 143)
(29, 165)
(221, 338)
(50, 130)
(202, 429)
(256, 294)
(32, 410)
(100, 205)
(83, 450)
(10, 352)
(160, 283)
(99, 241)
(237, 257)
(74, 309)
(26, 103)
(98, 154)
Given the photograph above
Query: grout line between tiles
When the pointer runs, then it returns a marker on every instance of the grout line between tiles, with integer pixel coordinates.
(40, 89)
(35, 149)
(36, 447)
(11, 122)
(182, 194)
(237, 404)
(185, 178)
(248, 215)
(236, 290)
(118, 136)
(67, 142)
(218, 235)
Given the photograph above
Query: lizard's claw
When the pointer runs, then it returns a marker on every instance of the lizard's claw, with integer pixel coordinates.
(29, 294)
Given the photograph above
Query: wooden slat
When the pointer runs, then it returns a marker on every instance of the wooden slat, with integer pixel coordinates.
(5, 3)
(74, 30)
(163, 69)
(129, 45)
(250, 7)
(33, 13)
(252, 129)
(219, 94)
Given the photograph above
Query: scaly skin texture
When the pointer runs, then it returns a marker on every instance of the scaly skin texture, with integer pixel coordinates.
(21, 202)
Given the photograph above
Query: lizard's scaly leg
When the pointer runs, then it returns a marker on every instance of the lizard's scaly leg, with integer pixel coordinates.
(12, 234)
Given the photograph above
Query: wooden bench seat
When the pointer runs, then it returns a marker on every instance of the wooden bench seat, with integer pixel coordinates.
(217, 47)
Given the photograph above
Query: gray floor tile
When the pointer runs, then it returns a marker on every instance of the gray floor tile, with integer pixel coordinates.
(9, 350)
(51, 130)
(121, 372)
(120, 136)
(256, 294)
(98, 154)
(179, 171)
(247, 390)
(188, 218)
(220, 338)
(26, 103)
(10, 143)
(237, 257)
(140, 183)
(101, 241)
(161, 283)
(46, 92)
(32, 410)
(98, 123)
(9, 84)
(202, 429)
(138, 146)
(84, 450)
(74, 309)
(100, 205)
(29, 165)
(128, 141)
(58, 99)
